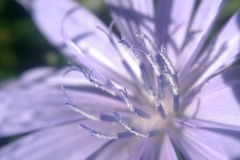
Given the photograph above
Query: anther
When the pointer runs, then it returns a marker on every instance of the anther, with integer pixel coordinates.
(175, 102)
(167, 61)
(146, 42)
(99, 134)
(108, 136)
(125, 64)
(152, 61)
(96, 82)
(152, 93)
(161, 111)
(145, 77)
(107, 118)
(160, 82)
(125, 96)
(130, 105)
(173, 84)
(129, 127)
(65, 94)
(130, 50)
(172, 81)
(143, 41)
(95, 117)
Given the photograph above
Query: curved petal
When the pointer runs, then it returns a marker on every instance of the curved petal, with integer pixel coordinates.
(167, 151)
(206, 144)
(26, 109)
(68, 141)
(198, 32)
(36, 101)
(23, 111)
(218, 100)
(172, 20)
(133, 16)
(119, 149)
(152, 147)
(138, 149)
(48, 15)
(223, 51)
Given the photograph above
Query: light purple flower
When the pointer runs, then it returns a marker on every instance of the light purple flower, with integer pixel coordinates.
(151, 105)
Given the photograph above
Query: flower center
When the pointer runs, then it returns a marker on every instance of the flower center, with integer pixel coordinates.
(157, 98)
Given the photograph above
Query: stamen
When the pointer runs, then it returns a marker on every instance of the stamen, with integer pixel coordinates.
(70, 70)
(99, 134)
(96, 82)
(142, 36)
(108, 136)
(152, 93)
(65, 94)
(146, 42)
(144, 73)
(174, 88)
(130, 105)
(167, 61)
(130, 50)
(107, 118)
(104, 88)
(152, 61)
(172, 77)
(130, 128)
(145, 77)
(160, 79)
(78, 53)
(176, 102)
(125, 95)
(94, 117)
(160, 82)
(161, 111)
(172, 81)
(125, 64)
(86, 61)
(125, 134)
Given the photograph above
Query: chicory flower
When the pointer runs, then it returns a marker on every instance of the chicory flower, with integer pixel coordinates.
(156, 92)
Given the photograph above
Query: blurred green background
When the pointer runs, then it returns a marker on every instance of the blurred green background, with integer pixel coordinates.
(22, 46)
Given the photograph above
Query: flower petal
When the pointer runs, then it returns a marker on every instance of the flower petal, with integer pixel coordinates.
(68, 141)
(172, 20)
(201, 26)
(223, 51)
(119, 149)
(152, 147)
(26, 109)
(138, 149)
(36, 101)
(218, 100)
(167, 151)
(24, 112)
(206, 143)
(93, 42)
(133, 16)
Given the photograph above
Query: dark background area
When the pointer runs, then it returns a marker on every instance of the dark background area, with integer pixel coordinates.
(22, 46)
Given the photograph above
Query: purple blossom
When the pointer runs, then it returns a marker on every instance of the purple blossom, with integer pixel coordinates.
(155, 92)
